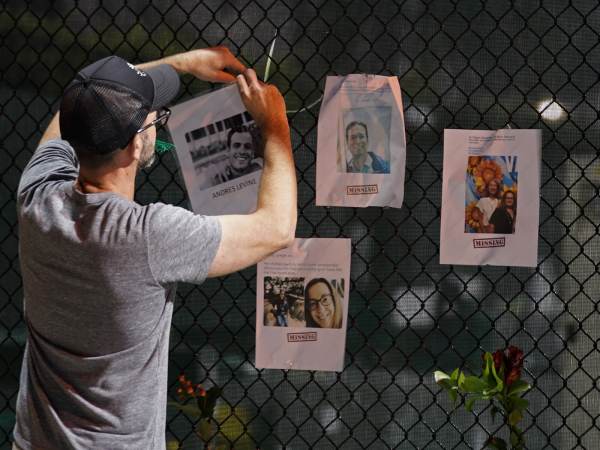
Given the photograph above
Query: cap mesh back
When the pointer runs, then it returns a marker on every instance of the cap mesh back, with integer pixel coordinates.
(100, 117)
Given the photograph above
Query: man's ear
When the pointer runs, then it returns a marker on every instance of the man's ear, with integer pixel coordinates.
(130, 153)
(135, 147)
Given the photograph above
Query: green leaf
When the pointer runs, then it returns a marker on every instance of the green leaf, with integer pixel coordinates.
(454, 375)
(519, 403)
(515, 416)
(474, 385)
(496, 443)
(518, 387)
(190, 410)
(498, 379)
(470, 401)
(461, 379)
(494, 412)
(446, 384)
(514, 439)
(488, 360)
(491, 393)
(453, 395)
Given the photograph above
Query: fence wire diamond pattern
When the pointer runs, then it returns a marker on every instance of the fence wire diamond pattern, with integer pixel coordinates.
(467, 64)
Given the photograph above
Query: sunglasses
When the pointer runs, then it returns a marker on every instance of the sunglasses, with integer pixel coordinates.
(161, 120)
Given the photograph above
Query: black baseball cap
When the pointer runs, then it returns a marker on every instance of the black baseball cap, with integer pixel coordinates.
(108, 101)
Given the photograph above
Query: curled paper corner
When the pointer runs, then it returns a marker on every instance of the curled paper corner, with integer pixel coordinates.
(298, 248)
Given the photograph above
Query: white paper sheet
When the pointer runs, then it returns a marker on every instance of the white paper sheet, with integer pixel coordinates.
(302, 306)
(490, 197)
(361, 144)
(221, 172)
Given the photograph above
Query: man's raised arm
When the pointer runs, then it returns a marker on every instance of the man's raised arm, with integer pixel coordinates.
(247, 239)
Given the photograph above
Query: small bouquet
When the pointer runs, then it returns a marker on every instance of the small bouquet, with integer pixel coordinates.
(501, 385)
(202, 407)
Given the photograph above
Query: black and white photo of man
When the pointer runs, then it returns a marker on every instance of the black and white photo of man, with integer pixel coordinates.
(241, 158)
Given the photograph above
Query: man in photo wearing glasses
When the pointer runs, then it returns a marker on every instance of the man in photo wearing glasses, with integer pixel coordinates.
(241, 151)
(100, 270)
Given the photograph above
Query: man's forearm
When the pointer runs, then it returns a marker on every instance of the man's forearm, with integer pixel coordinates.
(209, 64)
(277, 192)
(173, 60)
(247, 239)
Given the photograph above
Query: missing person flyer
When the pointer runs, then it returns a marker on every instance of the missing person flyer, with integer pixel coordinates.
(218, 148)
(302, 306)
(361, 144)
(490, 197)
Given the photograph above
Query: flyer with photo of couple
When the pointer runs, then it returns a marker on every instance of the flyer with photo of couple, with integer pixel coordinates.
(302, 306)
(490, 197)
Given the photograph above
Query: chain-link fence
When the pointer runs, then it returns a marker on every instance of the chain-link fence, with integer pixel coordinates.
(461, 64)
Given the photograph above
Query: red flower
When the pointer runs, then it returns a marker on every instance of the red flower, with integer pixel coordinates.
(512, 361)
(513, 375)
(514, 355)
(498, 360)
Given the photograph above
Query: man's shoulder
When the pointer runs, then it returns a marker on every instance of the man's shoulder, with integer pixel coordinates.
(379, 165)
(157, 210)
(256, 164)
(53, 161)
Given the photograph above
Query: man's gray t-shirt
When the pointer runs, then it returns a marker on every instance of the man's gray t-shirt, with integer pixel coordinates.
(99, 274)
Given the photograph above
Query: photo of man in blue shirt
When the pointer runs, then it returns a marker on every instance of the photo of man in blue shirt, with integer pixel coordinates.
(363, 161)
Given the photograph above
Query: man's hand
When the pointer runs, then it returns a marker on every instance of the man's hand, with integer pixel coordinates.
(247, 239)
(264, 102)
(215, 64)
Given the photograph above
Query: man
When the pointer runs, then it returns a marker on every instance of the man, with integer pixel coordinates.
(363, 161)
(240, 152)
(488, 204)
(295, 316)
(100, 271)
(280, 305)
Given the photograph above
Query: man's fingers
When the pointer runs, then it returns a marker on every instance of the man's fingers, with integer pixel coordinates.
(243, 85)
(234, 65)
(251, 78)
(223, 77)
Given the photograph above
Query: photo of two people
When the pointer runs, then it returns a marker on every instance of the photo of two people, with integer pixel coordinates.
(298, 302)
(491, 194)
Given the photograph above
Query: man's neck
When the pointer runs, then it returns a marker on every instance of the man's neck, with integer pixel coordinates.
(120, 181)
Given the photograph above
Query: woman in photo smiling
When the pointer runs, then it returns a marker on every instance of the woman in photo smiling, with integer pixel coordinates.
(322, 305)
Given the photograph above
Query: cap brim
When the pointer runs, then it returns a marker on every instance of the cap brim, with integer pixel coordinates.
(166, 85)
